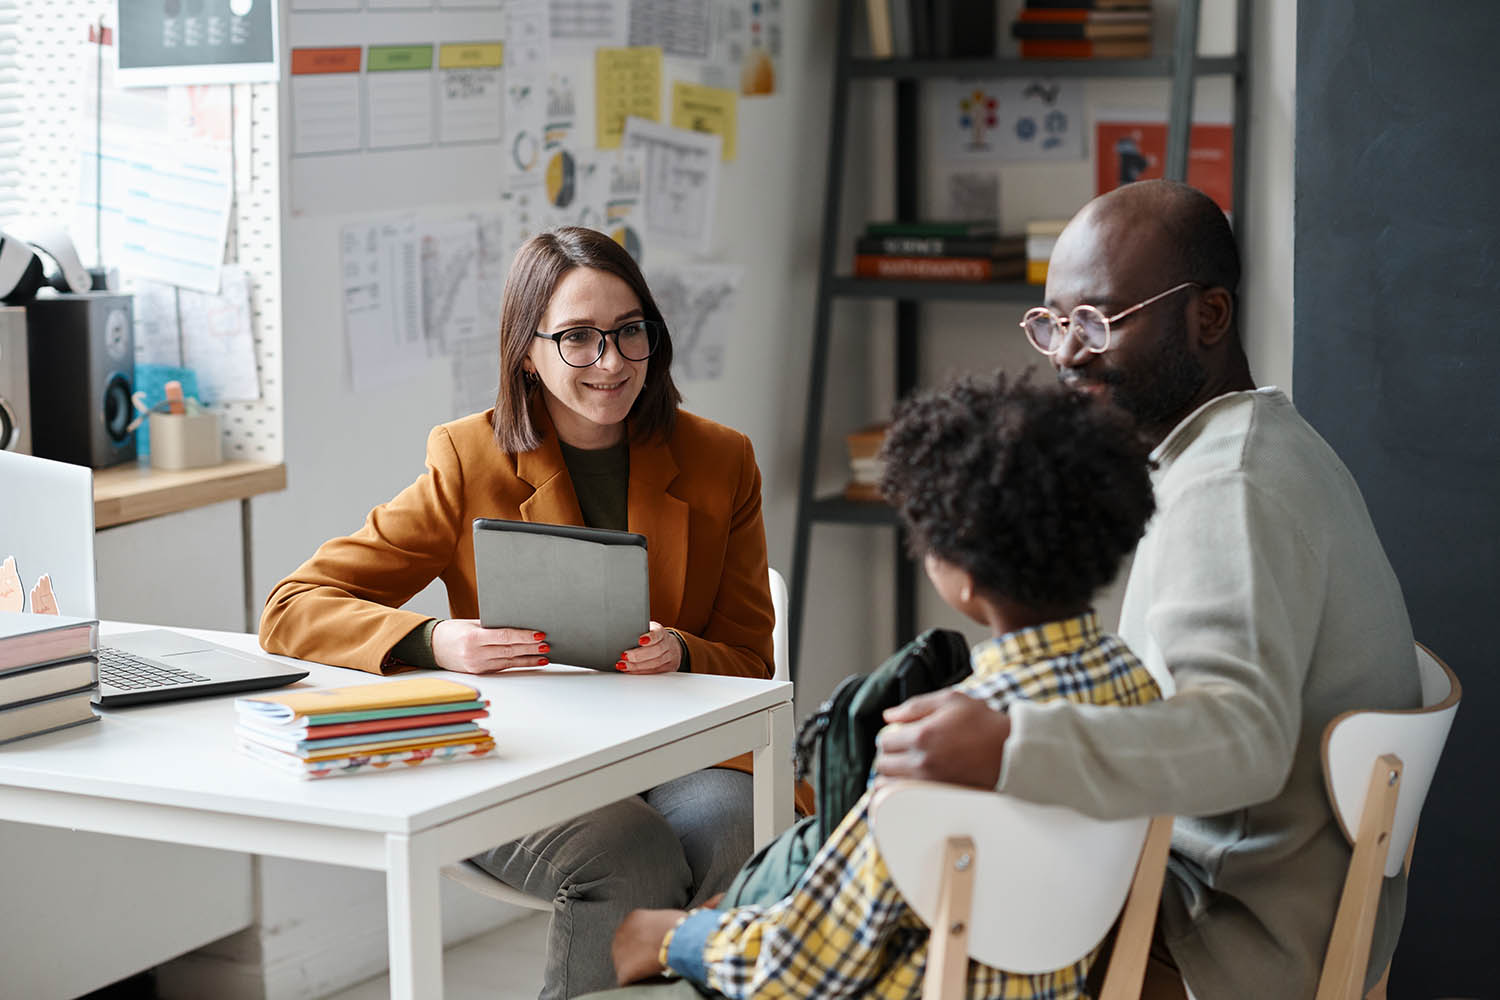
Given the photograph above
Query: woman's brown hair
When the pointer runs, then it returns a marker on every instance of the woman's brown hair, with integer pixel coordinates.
(538, 266)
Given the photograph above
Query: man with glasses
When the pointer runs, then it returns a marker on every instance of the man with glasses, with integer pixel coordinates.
(1260, 591)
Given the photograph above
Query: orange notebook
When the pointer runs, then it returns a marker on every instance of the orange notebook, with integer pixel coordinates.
(398, 693)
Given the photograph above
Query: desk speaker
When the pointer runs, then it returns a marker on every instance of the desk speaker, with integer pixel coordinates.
(15, 392)
(82, 373)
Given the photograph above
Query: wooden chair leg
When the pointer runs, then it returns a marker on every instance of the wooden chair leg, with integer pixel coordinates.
(948, 945)
(1127, 964)
(1348, 954)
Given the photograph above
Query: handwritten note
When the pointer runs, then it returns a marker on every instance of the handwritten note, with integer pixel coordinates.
(705, 109)
(627, 84)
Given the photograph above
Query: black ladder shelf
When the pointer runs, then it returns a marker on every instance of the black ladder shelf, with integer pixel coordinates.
(1181, 67)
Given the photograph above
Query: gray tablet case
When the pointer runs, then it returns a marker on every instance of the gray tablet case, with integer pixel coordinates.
(587, 588)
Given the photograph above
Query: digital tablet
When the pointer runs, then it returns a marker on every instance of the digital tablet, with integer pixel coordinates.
(587, 588)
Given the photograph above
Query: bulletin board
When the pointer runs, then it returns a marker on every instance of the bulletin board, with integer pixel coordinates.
(52, 66)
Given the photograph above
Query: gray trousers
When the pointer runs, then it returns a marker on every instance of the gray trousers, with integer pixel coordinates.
(670, 847)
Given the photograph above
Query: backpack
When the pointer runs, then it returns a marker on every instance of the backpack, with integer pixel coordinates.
(841, 734)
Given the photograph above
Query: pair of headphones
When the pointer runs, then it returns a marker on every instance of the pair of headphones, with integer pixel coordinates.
(22, 272)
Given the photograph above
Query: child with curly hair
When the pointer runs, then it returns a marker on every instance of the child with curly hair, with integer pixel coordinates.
(1021, 501)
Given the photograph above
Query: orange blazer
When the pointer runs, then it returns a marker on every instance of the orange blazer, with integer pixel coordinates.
(696, 498)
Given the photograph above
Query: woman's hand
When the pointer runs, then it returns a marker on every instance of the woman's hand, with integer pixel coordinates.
(660, 652)
(465, 646)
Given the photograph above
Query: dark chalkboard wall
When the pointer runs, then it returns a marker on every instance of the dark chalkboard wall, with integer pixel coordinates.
(1397, 362)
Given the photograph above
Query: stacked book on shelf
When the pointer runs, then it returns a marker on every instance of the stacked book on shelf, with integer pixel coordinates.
(1041, 239)
(939, 251)
(865, 466)
(393, 725)
(49, 673)
(1084, 29)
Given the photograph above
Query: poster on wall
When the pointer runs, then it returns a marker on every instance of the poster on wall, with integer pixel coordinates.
(204, 41)
(1132, 146)
(1011, 120)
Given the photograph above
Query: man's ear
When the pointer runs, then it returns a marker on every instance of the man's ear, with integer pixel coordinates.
(1215, 314)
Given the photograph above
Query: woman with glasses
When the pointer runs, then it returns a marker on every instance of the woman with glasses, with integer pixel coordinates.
(586, 430)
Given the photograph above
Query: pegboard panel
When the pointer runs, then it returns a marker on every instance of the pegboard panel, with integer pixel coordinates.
(55, 36)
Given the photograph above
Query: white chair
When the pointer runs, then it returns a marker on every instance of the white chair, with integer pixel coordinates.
(466, 873)
(1378, 767)
(1019, 886)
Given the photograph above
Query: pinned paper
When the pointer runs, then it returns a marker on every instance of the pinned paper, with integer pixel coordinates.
(705, 109)
(627, 84)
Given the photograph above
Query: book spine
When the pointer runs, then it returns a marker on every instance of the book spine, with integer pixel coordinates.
(1133, 5)
(1064, 49)
(1044, 31)
(925, 268)
(930, 228)
(940, 246)
(879, 14)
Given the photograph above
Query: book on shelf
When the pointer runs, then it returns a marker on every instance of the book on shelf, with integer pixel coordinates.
(1109, 48)
(1041, 239)
(335, 731)
(933, 227)
(865, 466)
(943, 246)
(878, 13)
(894, 268)
(1081, 30)
(46, 715)
(1098, 5)
(29, 640)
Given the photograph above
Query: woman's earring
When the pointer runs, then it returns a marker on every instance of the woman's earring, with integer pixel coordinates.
(530, 377)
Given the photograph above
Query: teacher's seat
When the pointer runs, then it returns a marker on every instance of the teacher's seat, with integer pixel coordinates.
(466, 873)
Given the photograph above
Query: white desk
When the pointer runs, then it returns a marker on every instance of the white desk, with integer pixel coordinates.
(566, 741)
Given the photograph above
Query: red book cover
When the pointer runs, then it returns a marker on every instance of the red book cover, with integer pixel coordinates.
(870, 265)
(1113, 48)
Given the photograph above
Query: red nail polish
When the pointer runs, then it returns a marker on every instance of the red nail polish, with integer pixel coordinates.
(544, 648)
(645, 639)
(539, 636)
(542, 662)
(620, 665)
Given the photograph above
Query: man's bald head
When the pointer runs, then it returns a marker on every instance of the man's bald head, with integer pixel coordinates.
(1187, 233)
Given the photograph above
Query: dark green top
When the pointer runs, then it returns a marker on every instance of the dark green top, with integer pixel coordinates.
(601, 480)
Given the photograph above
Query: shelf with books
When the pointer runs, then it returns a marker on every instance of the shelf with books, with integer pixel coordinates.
(1156, 66)
(907, 262)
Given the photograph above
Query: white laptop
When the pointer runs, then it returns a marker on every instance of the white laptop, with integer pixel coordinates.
(47, 531)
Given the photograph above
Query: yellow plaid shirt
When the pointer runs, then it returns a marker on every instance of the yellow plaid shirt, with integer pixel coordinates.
(845, 930)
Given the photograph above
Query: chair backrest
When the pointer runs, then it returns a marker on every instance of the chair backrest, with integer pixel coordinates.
(781, 654)
(1069, 874)
(1353, 741)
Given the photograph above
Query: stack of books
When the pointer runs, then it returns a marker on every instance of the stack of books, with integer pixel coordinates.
(865, 467)
(939, 251)
(1041, 238)
(1084, 29)
(49, 673)
(329, 732)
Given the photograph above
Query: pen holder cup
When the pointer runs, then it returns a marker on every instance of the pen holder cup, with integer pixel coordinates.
(185, 440)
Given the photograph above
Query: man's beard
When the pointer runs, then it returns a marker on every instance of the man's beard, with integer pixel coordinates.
(1160, 390)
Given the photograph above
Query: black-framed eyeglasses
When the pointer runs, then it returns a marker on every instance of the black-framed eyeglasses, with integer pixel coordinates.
(582, 346)
(1048, 331)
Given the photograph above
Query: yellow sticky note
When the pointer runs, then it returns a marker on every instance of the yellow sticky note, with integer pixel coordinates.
(705, 109)
(627, 82)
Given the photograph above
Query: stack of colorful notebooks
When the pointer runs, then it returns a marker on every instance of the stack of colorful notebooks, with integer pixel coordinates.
(393, 724)
(939, 251)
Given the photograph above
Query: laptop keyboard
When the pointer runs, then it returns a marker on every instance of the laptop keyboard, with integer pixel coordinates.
(129, 672)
